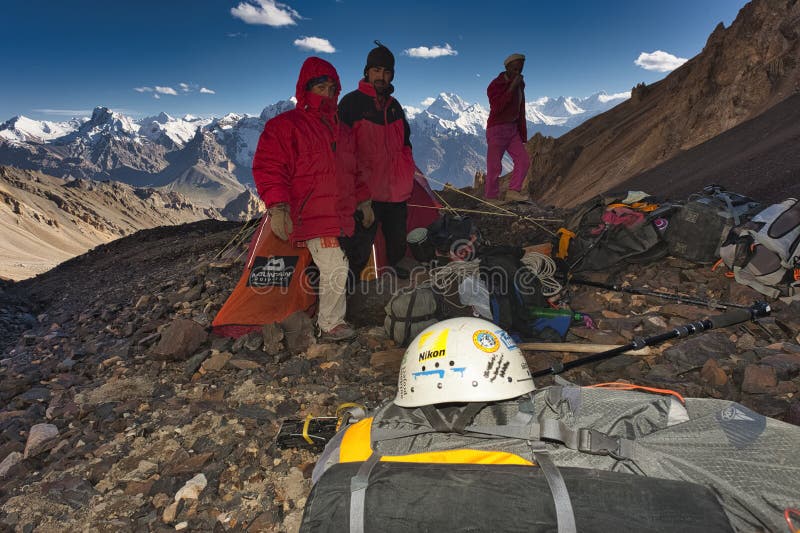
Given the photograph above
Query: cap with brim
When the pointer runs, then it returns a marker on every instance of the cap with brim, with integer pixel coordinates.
(513, 57)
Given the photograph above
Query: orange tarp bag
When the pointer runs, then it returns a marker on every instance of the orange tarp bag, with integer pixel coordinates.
(274, 285)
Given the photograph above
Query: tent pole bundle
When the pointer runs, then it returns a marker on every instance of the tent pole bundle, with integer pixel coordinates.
(730, 318)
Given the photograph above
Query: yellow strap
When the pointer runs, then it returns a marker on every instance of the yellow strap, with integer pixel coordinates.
(356, 447)
(341, 408)
(639, 206)
(308, 439)
(565, 236)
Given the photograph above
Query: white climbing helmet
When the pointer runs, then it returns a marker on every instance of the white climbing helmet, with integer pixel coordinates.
(462, 360)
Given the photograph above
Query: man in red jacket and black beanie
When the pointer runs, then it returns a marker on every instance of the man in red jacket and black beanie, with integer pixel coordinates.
(383, 150)
(507, 130)
(305, 171)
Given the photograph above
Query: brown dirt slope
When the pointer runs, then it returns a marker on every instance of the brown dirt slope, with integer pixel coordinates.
(759, 158)
(742, 71)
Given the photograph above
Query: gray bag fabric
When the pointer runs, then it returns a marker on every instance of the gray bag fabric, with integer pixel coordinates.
(409, 312)
(749, 461)
(764, 252)
(469, 498)
(697, 230)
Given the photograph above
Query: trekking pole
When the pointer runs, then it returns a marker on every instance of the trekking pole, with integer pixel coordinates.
(730, 318)
(665, 295)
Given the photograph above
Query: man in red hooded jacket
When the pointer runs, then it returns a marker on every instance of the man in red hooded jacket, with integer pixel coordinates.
(383, 148)
(305, 171)
(507, 130)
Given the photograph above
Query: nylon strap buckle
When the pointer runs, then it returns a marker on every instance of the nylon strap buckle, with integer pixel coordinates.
(598, 443)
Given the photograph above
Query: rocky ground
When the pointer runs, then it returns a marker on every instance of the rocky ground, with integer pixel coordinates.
(119, 411)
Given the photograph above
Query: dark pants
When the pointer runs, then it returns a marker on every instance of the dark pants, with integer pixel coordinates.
(392, 218)
(358, 247)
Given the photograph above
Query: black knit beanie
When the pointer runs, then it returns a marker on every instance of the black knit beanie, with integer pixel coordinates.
(380, 56)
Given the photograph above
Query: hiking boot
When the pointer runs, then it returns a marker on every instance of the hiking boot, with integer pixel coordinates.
(517, 196)
(341, 332)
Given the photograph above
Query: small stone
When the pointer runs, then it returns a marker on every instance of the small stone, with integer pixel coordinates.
(181, 339)
(298, 332)
(244, 364)
(216, 362)
(192, 489)
(388, 360)
(143, 301)
(170, 512)
(712, 373)
(325, 351)
(181, 525)
(759, 379)
(41, 438)
(11, 460)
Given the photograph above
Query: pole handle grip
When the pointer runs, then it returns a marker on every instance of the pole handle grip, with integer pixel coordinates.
(732, 317)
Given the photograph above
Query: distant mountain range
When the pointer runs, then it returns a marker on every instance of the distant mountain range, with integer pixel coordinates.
(208, 160)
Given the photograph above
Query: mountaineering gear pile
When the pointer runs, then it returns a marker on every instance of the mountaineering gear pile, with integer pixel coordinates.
(764, 253)
(274, 285)
(385, 162)
(305, 159)
(605, 231)
(468, 422)
(697, 229)
(748, 461)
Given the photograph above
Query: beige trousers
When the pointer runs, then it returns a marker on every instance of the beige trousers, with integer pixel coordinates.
(333, 268)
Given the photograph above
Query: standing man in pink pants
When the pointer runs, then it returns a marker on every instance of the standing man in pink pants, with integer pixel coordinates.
(507, 130)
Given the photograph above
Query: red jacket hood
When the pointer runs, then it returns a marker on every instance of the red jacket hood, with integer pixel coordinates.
(314, 67)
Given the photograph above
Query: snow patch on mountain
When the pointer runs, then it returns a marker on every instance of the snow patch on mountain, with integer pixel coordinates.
(21, 129)
(179, 131)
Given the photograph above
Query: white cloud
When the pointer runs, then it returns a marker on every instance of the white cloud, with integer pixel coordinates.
(428, 101)
(616, 96)
(659, 61)
(166, 90)
(266, 12)
(237, 34)
(65, 112)
(203, 90)
(156, 96)
(184, 87)
(315, 44)
(432, 52)
(143, 89)
(411, 111)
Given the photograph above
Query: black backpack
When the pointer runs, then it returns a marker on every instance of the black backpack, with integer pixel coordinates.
(514, 289)
(594, 244)
(697, 229)
(454, 235)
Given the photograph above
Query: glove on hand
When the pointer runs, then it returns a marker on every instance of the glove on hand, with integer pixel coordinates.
(369, 215)
(280, 221)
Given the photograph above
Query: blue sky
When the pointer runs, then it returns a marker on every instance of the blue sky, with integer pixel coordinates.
(62, 57)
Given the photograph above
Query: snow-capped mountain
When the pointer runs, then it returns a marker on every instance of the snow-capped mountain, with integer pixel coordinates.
(23, 129)
(170, 131)
(213, 156)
